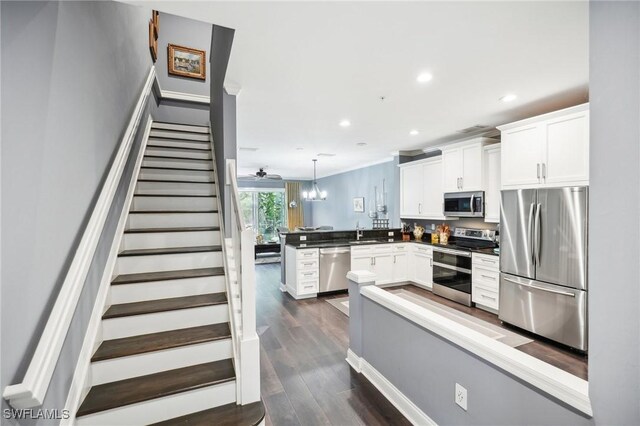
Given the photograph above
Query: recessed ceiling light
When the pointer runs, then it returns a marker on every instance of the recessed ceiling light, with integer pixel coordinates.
(345, 123)
(361, 143)
(413, 132)
(424, 77)
(299, 148)
(248, 148)
(508, 98)
(326, 154)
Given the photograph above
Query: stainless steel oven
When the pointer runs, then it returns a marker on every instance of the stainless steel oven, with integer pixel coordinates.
(464, 204)
(452, 274)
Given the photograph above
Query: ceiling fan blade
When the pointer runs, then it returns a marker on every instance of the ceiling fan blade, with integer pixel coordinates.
(274, 177)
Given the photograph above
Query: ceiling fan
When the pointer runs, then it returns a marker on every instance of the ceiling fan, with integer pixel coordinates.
(261, 175)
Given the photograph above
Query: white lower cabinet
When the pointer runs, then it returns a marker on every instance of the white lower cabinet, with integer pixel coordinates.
(421, 265)
(303, 272)
(485, 281)
(378, 259)
(400, 263)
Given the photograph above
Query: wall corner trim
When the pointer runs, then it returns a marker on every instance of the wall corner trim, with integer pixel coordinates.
(354, 361)
(33, 388)
(558, 383)
(361, 277)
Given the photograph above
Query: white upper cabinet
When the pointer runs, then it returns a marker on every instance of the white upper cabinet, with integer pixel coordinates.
(547, 151)
(421, 189)
(492, 183)
(462, 165)
(411, 190)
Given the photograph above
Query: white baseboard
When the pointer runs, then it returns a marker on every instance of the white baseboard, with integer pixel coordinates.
(399, 400)
(81, 382)
(354, 361)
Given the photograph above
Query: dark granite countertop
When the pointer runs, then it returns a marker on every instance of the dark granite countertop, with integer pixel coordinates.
(367, 241)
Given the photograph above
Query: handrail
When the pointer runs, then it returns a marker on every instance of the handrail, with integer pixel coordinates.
(239, 265)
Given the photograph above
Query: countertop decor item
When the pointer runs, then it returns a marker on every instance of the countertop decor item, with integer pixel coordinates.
(406, 236)
(187, 62)
(444, 231)
(418, 231)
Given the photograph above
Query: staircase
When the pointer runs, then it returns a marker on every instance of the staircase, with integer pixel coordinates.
(167, 353)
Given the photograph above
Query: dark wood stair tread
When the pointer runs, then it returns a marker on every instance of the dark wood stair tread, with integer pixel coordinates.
(163, 305)
(143, 277)
(176, 168)
(145, 343)
(138, 389)
(224, 415)
(168, 250)
(184, 229)
(170, 211)
(178, 158)
(175, 195)
(208, 182)
(178, 148)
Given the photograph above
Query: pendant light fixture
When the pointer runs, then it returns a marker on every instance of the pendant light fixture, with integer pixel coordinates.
(315, 194)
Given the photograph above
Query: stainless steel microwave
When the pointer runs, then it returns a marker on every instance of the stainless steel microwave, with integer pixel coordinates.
(464, 204)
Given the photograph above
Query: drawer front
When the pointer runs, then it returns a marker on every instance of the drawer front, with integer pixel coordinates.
(422, 249)
(307, 253)
(486, 260)
(487, 277)
(383, 248)
(307, 287)
(400, 248)
(306, 264)
(361, 251)
(308, 275)
(485, 297)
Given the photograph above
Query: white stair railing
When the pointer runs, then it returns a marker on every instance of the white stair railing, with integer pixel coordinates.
(238, 252)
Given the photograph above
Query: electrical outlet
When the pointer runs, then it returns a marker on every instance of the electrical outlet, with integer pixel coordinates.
(390, 233)
(303, 238)
(461, 397)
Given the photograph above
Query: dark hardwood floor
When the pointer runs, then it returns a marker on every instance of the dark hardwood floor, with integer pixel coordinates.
(547, 351)
(305, 378)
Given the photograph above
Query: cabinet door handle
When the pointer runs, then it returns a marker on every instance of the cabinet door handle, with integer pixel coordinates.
(488, 297)
(461, 183)
(538, 170)
(489, 277)
(371, 261)
(420, 208)
(394, 259)
(544, 171)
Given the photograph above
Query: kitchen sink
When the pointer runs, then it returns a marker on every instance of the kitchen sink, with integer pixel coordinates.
(363, 242)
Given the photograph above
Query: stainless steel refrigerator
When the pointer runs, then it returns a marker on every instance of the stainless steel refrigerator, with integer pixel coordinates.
(543, 262)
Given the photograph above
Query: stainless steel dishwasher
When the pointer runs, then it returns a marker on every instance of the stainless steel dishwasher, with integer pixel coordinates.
(335, 262)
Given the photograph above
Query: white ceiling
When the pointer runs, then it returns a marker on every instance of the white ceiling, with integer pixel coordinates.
(303, 67)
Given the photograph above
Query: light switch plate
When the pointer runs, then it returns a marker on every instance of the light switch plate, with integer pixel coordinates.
(390, 233)
(303, 238)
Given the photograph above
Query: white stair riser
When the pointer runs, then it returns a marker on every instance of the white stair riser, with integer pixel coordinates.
(162, 152)
(177, 143)
(172, 220)
(184, 127)
(164, 408)
(179, 135)
(160, 188)
(167, 262)
(167, 174)
(134, 325)
(147, 240)
(127, 367)
(139, 292)
(173, 203)
(176, 163)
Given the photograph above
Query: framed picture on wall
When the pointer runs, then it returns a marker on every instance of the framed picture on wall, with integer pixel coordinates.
(358, 204)
(187, 62)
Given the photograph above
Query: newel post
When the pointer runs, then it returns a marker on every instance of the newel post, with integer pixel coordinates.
(357, 279)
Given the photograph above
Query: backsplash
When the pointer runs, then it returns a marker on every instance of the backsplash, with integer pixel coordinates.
(473, 223)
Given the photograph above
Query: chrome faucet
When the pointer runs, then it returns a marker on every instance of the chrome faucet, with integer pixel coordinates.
(359, 232)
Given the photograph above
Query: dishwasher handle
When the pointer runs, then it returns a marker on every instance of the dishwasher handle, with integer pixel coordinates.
(336, 250)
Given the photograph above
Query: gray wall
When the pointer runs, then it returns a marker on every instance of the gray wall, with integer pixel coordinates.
(337, 209)
(427, 367)
(183, 32)
(614, 290)
(65, 108)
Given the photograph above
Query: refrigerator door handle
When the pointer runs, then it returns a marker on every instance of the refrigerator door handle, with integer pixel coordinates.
(530, 232)
(537, 233)
(548, 290)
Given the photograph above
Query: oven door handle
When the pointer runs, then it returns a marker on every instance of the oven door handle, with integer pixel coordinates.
(453, 268)
(449, 251)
